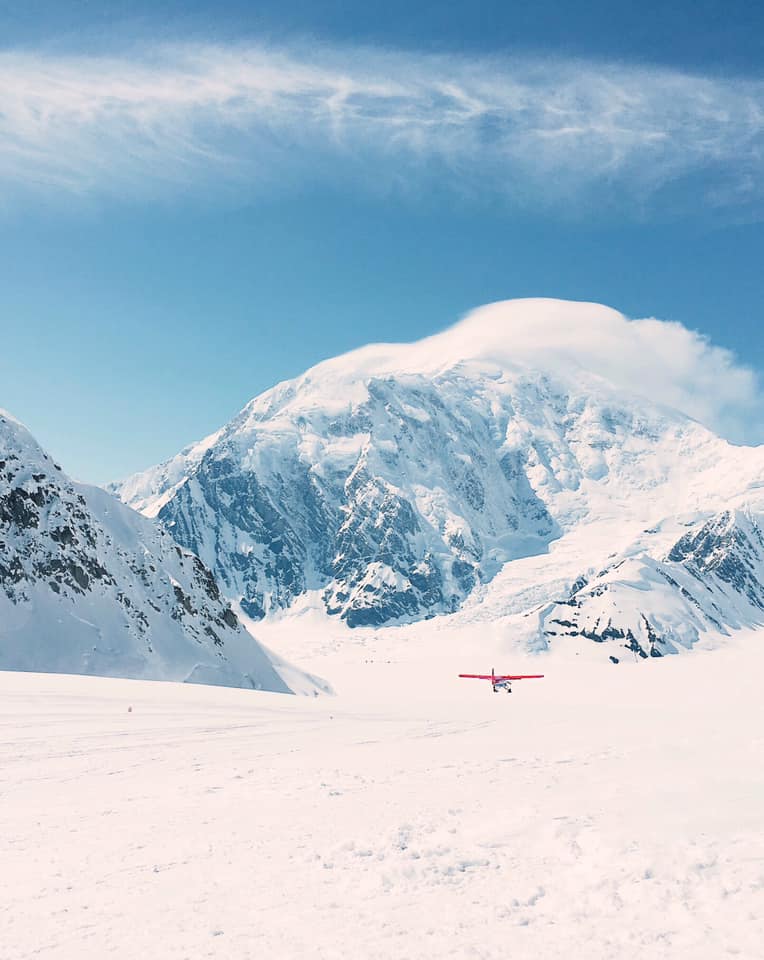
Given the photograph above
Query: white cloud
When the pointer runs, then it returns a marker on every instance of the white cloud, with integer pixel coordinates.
(661, 361)
(179, 117)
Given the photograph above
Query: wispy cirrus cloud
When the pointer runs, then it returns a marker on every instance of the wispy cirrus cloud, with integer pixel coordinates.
(551, 130)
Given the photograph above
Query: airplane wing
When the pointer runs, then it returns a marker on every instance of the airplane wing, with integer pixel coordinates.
(498, 676)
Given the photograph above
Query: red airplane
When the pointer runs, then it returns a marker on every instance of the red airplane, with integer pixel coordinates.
(503, 682)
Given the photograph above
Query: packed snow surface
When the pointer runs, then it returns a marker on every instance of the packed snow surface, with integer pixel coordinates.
(603, 812)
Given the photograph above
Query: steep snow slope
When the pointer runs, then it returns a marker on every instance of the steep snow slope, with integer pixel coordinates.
(89, 586)
(402, 480)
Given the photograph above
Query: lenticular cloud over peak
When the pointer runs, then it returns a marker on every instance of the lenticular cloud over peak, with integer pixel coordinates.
(663, 360)
(657, 359)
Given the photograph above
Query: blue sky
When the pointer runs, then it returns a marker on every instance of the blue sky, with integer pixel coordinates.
(199, 200)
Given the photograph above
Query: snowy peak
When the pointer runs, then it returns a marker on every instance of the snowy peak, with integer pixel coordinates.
(584, 346)
(503, 467)
(89, 586)
(399, 480)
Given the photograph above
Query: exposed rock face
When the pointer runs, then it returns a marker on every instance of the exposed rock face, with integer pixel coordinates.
(394, 506)
(728, 548)
(89, 586)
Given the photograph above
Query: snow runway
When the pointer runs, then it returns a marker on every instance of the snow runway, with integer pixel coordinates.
(617, 816)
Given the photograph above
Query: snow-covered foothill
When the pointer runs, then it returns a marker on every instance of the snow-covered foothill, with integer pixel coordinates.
(89, 586)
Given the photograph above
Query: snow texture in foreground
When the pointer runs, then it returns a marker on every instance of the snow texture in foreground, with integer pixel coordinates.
(603, 813)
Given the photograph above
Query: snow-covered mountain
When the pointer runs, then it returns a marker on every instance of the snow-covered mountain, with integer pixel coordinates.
(407, 481)
(655, 600)
(89, 586)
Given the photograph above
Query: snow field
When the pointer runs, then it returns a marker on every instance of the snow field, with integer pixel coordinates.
(604, 812)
